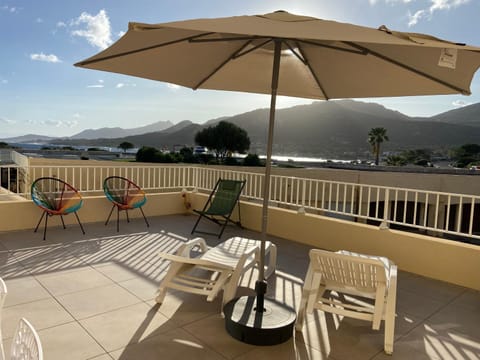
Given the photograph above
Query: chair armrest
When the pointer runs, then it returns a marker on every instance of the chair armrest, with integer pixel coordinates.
(186, 248)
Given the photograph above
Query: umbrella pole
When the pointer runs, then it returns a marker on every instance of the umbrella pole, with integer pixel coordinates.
(254, 319)
(261, 284)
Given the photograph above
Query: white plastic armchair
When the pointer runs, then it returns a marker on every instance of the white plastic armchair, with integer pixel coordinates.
(348, 273)
(216, 268)
(3, 295)
(26, 343)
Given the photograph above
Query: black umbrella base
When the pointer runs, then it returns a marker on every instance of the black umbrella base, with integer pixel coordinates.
(271, 327)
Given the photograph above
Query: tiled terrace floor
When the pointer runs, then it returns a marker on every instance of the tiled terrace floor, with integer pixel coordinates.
(92, 297)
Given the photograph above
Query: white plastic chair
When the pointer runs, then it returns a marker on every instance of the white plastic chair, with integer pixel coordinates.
(216, 268)
(26, 343)
(3, 295)
(348, 273)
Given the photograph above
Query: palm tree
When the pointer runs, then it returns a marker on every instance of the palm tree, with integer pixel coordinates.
(375, 137)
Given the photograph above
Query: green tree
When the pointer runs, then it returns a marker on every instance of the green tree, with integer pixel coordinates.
(252, 160)
(147, 154)
(224, 139)
(466, 155)
(396, 160)
(126, 146)
(375, 137)
(4, 145)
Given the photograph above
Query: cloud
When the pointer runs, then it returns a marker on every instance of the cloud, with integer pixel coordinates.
(173, 87)
(6, 121)
(10, 9)
(60, 123)
(61, 24)
(413, 19)
(121, 85)
(435, 5)
(4, 81)
(121, 33)
(77, 116)
(460, 103)
(96, 29)
(47, 58)
(99, 85)
(425, 12)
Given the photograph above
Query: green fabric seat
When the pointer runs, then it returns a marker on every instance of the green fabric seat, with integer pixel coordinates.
(220, 205)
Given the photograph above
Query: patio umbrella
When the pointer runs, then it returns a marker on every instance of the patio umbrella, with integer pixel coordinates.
(286, 54)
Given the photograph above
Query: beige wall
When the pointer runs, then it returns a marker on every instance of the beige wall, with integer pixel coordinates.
(444, 260)
(21, 215)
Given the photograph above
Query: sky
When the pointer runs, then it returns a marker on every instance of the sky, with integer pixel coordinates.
(41, 92)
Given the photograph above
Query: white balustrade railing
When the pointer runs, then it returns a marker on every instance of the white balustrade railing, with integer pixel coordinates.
(430, 211)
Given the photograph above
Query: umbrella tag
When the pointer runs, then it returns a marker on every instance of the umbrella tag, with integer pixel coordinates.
(448, 58)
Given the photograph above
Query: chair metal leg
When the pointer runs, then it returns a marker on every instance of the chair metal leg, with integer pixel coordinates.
(196, 224)
(145, 218)
(63, 222)
(106, 222)
(126, 213)
(118, 219)
(39, 221)
(223, 229)
(79, 223)
(45, 228)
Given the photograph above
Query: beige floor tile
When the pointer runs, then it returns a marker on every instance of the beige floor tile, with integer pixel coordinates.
(69, 281)
(23, 290)
(174, 345)
(45, 259)
(102, 357)
(118, 328)
(429, 288)
(469, 299)
(145, 289)
(342, 338)
(41, 314)
(69, 341)
(425, 342)
(185, 308)
(461, 324)
(418, 305)
(96, 301)
(289, 350)
(211, 331)
(131, 269)
(10, 267)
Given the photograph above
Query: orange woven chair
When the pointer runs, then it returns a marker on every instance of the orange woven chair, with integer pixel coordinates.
(125, 195)
(55, 197)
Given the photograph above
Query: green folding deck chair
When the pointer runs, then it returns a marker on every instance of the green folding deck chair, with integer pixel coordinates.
(221, 203)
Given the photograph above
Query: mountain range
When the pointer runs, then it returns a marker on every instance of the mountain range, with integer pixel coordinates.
(332, 129)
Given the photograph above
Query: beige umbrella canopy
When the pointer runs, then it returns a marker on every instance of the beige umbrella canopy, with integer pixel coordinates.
(286, 54)
(320, 59)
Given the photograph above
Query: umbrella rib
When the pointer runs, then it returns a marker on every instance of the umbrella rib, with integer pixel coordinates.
(240, 54)
(188, 38)
(232, 56)
(409, 68)
(317, 80)
(354, 51)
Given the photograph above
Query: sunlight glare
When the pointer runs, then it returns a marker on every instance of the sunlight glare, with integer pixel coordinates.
(188, 343)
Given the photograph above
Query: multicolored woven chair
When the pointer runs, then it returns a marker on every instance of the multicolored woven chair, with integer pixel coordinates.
(55, 197)
(125, 195)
